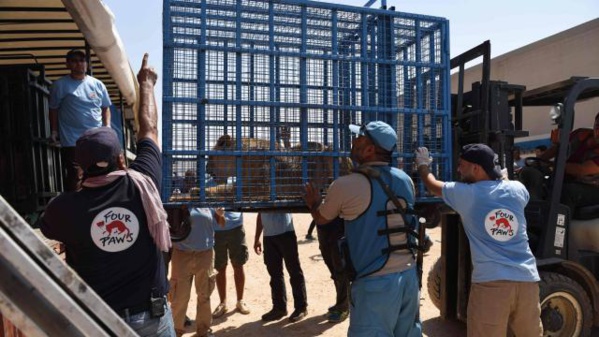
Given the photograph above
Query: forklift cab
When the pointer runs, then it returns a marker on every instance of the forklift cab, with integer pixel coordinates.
(550, 212)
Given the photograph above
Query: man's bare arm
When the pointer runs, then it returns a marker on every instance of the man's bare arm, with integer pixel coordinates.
(586, 168)
(313, 200)
(257, 242)
(106, 117)
(53, 116)
(432, 184)
(148, 110)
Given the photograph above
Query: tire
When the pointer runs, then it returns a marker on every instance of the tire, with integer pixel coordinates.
(565, 307)
(433, 284)
(179, 223)
(431, 214)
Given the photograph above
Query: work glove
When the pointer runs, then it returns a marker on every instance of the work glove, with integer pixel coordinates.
(422, 157)
(54, 138)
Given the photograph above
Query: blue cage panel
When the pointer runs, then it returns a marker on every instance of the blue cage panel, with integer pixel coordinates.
(258, 95)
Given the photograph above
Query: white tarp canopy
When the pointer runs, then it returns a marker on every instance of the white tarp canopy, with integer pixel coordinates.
(43, 31)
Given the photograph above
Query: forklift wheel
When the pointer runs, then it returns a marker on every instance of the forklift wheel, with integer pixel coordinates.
(179, 223)
(565, 307)
(433, 284)
(431, 214)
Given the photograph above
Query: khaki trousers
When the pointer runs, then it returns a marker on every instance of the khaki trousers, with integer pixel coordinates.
(493, 306)
(185, 266)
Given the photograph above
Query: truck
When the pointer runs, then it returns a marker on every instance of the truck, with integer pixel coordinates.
(563, 241)
(39, 294)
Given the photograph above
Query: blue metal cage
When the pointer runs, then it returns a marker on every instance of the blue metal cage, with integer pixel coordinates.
(258, 95)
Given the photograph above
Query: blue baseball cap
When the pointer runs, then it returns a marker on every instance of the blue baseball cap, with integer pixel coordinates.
(381, 134)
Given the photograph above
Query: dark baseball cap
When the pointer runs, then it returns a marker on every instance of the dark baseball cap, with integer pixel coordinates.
(484, 156)
(381, 134)
(97, 148)
(75, 53)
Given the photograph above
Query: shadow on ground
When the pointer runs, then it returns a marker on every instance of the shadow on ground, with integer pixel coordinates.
(311, 326)
(438, 327)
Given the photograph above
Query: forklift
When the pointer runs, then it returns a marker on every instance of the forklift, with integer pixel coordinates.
(565, 242)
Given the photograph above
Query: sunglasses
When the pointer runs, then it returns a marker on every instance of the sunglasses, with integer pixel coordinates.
(364, 132)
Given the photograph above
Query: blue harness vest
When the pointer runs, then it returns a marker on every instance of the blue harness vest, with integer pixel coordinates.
(395, 228)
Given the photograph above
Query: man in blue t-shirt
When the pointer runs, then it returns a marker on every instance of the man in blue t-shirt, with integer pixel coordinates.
(77, 102)
(280, 245)
(504, 290)
(115, 227)
(229, 243)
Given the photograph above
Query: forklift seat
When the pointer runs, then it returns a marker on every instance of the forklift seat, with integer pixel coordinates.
(586, 212)
(585, 234)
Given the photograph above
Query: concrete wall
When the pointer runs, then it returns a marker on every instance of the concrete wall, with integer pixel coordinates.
(574, 52)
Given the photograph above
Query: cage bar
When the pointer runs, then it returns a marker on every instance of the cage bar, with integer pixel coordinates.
(258, 95)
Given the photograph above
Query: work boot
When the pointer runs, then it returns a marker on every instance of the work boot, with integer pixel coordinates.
(337, 316)
(298, 314)
(274, 315)
(428, 243)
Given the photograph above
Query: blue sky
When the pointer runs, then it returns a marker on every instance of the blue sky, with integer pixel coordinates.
(508, 24)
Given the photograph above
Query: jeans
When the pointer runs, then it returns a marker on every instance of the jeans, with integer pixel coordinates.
(574, 194)
(328, 237)
(386, 306)
(146, 326)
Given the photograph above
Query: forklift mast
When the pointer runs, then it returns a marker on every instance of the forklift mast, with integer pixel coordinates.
(483, 114)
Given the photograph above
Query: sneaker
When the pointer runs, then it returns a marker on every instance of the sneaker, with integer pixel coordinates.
(220, 310)
(310, 237)
(209, 333)
(298, 315)
(274, 315)
(337, 316)
(242, 307)
(187, 322)
(427, 244)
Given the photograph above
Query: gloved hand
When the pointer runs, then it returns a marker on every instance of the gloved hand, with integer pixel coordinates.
(54, 138)
(422, 157)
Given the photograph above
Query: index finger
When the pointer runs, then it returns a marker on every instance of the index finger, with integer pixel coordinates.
(308, 186)
(144, 61)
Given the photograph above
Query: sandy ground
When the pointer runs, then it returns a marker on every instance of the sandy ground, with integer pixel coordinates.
(321, 295)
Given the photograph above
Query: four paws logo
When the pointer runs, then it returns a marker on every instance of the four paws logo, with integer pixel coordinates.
(114, 229)
(501, 224)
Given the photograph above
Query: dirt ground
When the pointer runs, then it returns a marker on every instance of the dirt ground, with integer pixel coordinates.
(321, 295)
